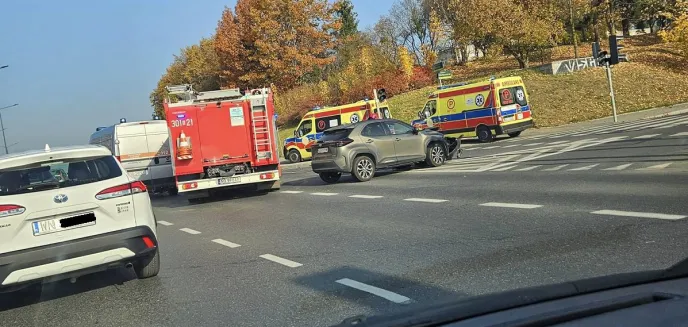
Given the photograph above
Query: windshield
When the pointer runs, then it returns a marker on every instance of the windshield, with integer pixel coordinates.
(57, 174)
(325, 159)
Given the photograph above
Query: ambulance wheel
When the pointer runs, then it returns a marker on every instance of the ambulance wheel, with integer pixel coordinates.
(484, 133)
(435, 155)
(294, 156)
(330, 178)
(514, 134)
(364, 168)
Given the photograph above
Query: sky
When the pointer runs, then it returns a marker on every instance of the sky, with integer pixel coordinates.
(75, 65)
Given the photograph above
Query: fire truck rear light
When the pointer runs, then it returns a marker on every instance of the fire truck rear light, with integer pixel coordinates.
(267, 176)
(7, 210)
(189, 186)
(122, 190)
(149, 243)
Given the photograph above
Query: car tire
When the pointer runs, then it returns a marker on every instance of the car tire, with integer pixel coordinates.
(514, 134)
(294, 156)
(435, 155)
(330, 178)
(148, 268)
(484, 133)
(363, 168)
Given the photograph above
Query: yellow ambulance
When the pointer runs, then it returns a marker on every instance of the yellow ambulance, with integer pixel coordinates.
(482, 109)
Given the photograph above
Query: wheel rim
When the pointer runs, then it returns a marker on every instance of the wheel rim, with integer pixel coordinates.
(293, 157)
(484, 134)
(364, 168)
(437, 154)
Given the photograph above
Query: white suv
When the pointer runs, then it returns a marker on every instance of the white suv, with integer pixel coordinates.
(70, 211)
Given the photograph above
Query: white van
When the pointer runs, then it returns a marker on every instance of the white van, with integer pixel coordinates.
(143, 149)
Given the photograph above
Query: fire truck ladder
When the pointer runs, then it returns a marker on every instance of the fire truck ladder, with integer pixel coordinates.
(260, 123)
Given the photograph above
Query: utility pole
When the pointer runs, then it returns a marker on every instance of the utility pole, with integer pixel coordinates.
(2, 127)
(573, 30)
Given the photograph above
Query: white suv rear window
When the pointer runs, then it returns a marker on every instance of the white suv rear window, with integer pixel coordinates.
(57, 174)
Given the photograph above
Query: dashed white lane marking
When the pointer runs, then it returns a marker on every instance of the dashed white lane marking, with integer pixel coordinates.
(511, 146)
(165, 223)
(584, 167)
(619, 167)
(362, 196)
(680, 134)
(661, 166)
(282, 261)
(190, 231)
(324, 194)
(391, 296)
(533, 144)
(555, 168)
(638, 214)
(495, 146)
(226, 243)
(648, 136)
(291, 192)
(527, 168)
(557, 142)
(425, 200)
(504, 168)
(511, 205)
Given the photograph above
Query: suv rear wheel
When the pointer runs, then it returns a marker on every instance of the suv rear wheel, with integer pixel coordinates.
(148, 267)
(364, 168)
(330, 177)
(435, 155)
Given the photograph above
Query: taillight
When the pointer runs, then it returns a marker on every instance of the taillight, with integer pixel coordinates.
(267, 176)
(7, 210)
(189, 186)
(343, 142)
(149, 243)
(122, 190)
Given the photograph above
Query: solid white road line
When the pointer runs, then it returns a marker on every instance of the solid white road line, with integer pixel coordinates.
(662, 166)
(557, 142)
(527, 168)
(391, 296)
(190, 231)
(494, 147)
(165, 223)
(511, 205)
(584, 167)
(291, 192)
(511, 146)
(619, 167)
(425, 200)
(555, 168)
(680, 134)
(361, 196)
(533, 144)
(324, 194)
(226, 243)
(282, 261)
(638, 214)
(648, 136)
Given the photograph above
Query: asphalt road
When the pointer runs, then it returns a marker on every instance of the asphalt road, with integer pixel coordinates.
(508, 214)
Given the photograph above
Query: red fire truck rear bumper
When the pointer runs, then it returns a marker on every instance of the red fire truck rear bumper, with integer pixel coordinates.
(222, 182)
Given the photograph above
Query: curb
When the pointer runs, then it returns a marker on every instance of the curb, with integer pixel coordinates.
(672, 113)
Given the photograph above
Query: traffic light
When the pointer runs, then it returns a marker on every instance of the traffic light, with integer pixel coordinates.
(381, 95)
(615, 49)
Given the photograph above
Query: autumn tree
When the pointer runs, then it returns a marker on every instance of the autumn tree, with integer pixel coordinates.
(197, 65)
(344, 12)
(275, 41)
(678, 30)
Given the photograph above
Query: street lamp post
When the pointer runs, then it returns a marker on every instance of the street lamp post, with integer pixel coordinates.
(2, 127)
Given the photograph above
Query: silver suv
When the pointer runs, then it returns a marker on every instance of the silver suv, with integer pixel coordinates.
(363, 147)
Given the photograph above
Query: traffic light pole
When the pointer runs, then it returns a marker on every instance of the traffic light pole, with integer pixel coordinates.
(611, 88)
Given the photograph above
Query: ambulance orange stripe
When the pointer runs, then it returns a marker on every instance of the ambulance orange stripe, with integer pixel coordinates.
(465, 91)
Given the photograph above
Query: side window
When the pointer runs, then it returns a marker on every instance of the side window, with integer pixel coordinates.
(374, 130)
(397, 128)
(305, 128)
(430, 107)
(508, 96)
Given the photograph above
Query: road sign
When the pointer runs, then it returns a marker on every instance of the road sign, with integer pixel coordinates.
(445, 74)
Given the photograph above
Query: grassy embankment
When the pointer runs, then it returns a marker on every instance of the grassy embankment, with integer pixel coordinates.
(657, 75)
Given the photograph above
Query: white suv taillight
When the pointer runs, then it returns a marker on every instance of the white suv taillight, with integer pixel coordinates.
(121, 190)
(7, 210)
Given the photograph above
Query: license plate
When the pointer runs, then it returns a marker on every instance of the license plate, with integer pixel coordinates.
(519, 116)
(50, 226)
(228, 180)
(323, 150)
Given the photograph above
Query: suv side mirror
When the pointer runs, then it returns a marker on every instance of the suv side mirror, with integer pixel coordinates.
(296, 133)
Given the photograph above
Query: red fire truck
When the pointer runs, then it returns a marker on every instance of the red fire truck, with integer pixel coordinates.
(222, 139)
